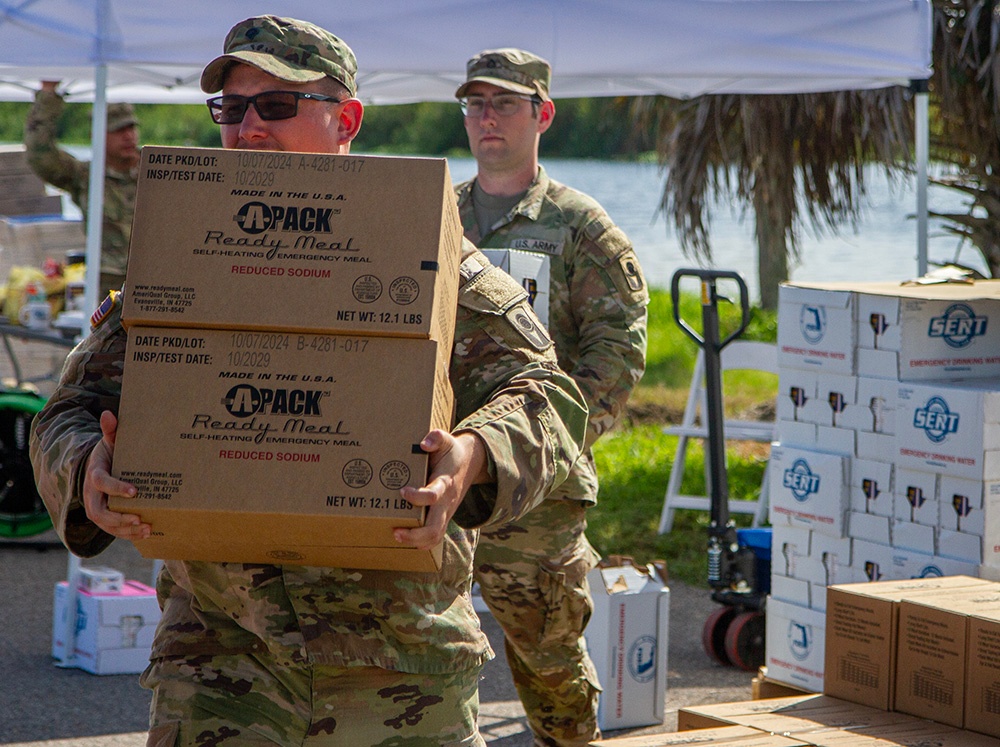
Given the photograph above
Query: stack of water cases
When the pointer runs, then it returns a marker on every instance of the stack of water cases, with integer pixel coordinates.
(886, 465)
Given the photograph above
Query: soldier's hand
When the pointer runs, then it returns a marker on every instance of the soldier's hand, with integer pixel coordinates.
(98, 484)
(457, 463)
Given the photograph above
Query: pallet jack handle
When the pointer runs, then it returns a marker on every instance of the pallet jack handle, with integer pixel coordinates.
(722, 531)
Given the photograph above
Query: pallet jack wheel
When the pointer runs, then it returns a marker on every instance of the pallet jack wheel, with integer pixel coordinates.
(744, 640)
(713, 635)
(22, 513)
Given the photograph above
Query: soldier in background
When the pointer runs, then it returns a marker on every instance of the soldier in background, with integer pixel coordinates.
(288, 655)
(533, 572)
(60, 169)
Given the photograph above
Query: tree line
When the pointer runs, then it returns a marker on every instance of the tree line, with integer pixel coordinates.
(583, 128)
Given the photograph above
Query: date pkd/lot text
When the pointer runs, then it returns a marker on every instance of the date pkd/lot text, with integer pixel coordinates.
(339, 244)
(272, 447)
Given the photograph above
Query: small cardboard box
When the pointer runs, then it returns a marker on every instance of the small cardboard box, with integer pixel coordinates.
(264, 447)
(114, 632)
(531, 270)
(794, 645)
(724, 736)
(862, 623)
(952, 429)
(809, 489)
(361, 245)
(816, 328)
(101, 580)
(931, 659)
(627, 638)
(982, 689)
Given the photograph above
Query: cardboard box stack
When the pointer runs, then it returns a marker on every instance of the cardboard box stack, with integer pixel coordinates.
(115, 622)
(887, 461)
(281, 310)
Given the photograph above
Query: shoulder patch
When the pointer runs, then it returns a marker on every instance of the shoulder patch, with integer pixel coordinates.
(104, 310)
(523, 319)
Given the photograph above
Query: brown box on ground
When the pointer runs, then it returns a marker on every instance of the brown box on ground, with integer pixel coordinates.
(861, 629)
(982, 675)
(305, 242)
(763, 688)
(932, 651)
(278, 447)
(714, 715)
(725, 736)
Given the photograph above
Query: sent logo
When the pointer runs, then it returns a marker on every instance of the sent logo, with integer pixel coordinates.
(958, 326)
(936, 420)
(800, 480)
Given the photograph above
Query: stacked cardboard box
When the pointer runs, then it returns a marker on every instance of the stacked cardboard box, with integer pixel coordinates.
(888, 451)
(282, 311)
(114, 628)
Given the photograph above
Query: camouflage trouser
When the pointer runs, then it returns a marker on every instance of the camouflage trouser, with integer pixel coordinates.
(252, 700)
(533, 576)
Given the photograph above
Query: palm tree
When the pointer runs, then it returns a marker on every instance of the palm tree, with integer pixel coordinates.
(966, 132)
(788, 157)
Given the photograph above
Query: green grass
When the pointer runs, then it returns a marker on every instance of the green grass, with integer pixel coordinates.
(634, 460)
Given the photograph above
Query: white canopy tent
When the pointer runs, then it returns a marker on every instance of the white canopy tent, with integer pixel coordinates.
(415, 50)
(147, 51)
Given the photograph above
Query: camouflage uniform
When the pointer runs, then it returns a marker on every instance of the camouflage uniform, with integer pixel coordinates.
(532, 572)
(224, 624)
(62, 170)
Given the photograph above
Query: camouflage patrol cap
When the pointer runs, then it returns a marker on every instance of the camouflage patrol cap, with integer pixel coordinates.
(512, 69)
(289, 49)
(120, 116)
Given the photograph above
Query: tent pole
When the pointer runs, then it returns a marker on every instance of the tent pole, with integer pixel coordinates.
(95, 194)
(922, 136)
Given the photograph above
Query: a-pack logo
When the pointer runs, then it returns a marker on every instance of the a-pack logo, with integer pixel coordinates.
(812, 323)
(257, 217)
(244, 400)
(801, 480)
(800, 640)
(958, 326)
(642, 658)
(936, 420)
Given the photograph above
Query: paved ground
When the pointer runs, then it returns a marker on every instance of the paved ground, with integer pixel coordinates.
(42, 704)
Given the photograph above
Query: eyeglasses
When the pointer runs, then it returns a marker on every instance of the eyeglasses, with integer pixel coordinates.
(270, 105)
(504, 104)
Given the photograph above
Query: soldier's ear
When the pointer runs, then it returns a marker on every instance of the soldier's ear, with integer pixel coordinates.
(546, 113)
(349, 119)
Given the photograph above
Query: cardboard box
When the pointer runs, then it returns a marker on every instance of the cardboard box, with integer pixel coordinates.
(871, 486)
(982, 676)
(862, 623)
(531, 270)
(794, 645)
(916, 497)
(808, 489)
(114, 632)
(627, 638)
(718, 715)
(952, 429)
(932, 642)
(217, 425)
(101, 580)
(724, 736)
(360, 245)
(816, 328)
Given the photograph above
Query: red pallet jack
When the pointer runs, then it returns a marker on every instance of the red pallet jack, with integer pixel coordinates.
(734, 634)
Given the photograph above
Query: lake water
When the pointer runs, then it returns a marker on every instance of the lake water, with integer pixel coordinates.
(884, 247)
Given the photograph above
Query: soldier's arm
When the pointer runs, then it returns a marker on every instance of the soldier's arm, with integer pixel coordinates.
(608, 295)
(67, 430)
(529, 414)
(44, 156)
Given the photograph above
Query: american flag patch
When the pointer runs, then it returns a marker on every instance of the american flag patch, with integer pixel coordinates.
(106, 307)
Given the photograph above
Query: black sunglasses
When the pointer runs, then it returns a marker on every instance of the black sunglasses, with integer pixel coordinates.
(270, 105)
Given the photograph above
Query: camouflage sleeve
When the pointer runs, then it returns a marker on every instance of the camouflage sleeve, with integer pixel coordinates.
(66, 430)
(45, 158)
(608, 295)
(510, 391)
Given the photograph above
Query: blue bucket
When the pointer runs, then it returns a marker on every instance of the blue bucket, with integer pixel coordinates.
(759, 541)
